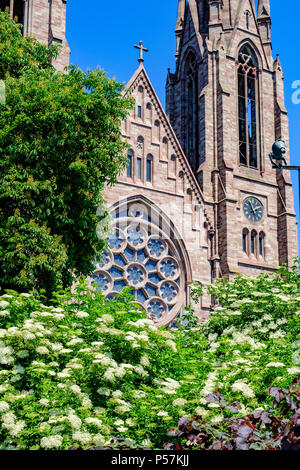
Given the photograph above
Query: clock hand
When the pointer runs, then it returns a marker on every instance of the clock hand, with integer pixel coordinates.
(252, 207)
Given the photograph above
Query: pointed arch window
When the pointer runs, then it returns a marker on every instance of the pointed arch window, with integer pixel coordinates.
(130, 155)
(149, 168)
(248, 107)
(245, 240)
(247, 19)
(262, 238)
(254, 242)
(5, 5)
(16, 9)
(191, 112)
(139, 168)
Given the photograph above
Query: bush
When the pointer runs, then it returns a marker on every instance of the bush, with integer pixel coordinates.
(79, 372)
(86, 371)
(260, 430)
(248, 344)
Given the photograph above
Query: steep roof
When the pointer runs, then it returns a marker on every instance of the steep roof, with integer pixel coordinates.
(141, 77)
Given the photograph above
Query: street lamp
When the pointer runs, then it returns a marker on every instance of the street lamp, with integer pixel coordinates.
(278, 161)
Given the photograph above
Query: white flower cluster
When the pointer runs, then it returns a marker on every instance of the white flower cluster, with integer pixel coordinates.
(210, 384)
(74, 421)
(6, 354)
(82, 437)
(293, 370)
(275, 364)
(122, 406)
(10, 422)
(51, 442)
(179, 402)
(144, 323)
(163, 413)
(244, 388)
(240, 338)
(4, 406)
(171, 345)
(168, 386)
(94, 421)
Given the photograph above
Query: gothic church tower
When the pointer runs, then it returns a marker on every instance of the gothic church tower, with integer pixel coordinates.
(225, 102)
(43, 19)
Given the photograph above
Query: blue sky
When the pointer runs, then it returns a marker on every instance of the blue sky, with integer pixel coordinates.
(102, 33)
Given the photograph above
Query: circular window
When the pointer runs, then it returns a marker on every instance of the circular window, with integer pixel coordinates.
(141, 258)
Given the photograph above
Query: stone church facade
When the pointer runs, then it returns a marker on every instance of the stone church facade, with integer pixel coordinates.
(199, 198)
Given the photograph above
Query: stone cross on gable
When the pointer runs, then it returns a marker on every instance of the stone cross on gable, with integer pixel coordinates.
(141, 49)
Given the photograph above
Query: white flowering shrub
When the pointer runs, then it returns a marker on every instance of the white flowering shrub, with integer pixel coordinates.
(80, 371)
(85, 369)
(249, 343)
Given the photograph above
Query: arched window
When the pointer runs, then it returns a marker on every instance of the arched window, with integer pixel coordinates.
(247, 19)
(149, 168)
(165, 147)
(245, 240)
(19, 6)
(254, 242)
(139, 168)
(149, 111)
(248, 107)
(16, 9)
(130, 155)
(147, 256)
(5, 5)
(262, 239)
(156, 130)
(191, 110)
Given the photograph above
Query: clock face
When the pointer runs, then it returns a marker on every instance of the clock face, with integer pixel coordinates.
(253, 209)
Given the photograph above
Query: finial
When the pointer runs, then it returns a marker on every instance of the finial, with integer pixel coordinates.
(141, 49)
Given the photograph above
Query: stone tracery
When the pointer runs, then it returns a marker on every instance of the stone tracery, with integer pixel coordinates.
(142, 257)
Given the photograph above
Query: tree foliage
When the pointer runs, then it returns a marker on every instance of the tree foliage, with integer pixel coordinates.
(60, 144)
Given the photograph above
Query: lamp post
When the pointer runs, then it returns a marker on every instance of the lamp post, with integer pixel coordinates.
(278, 160)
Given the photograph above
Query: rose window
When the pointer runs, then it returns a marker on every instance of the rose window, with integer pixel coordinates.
(141, 258)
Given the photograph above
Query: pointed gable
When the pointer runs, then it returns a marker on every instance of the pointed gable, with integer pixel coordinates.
(240, 17)
(263, 8)
(149, 133)
(244, 20)
(190, 24)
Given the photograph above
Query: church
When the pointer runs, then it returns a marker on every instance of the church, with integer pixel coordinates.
(199, 199)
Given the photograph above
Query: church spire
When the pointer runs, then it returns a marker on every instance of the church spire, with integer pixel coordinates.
(264, 24)
(179, 23)
(263, 8)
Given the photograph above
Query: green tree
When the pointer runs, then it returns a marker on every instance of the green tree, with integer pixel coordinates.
(60, 144)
